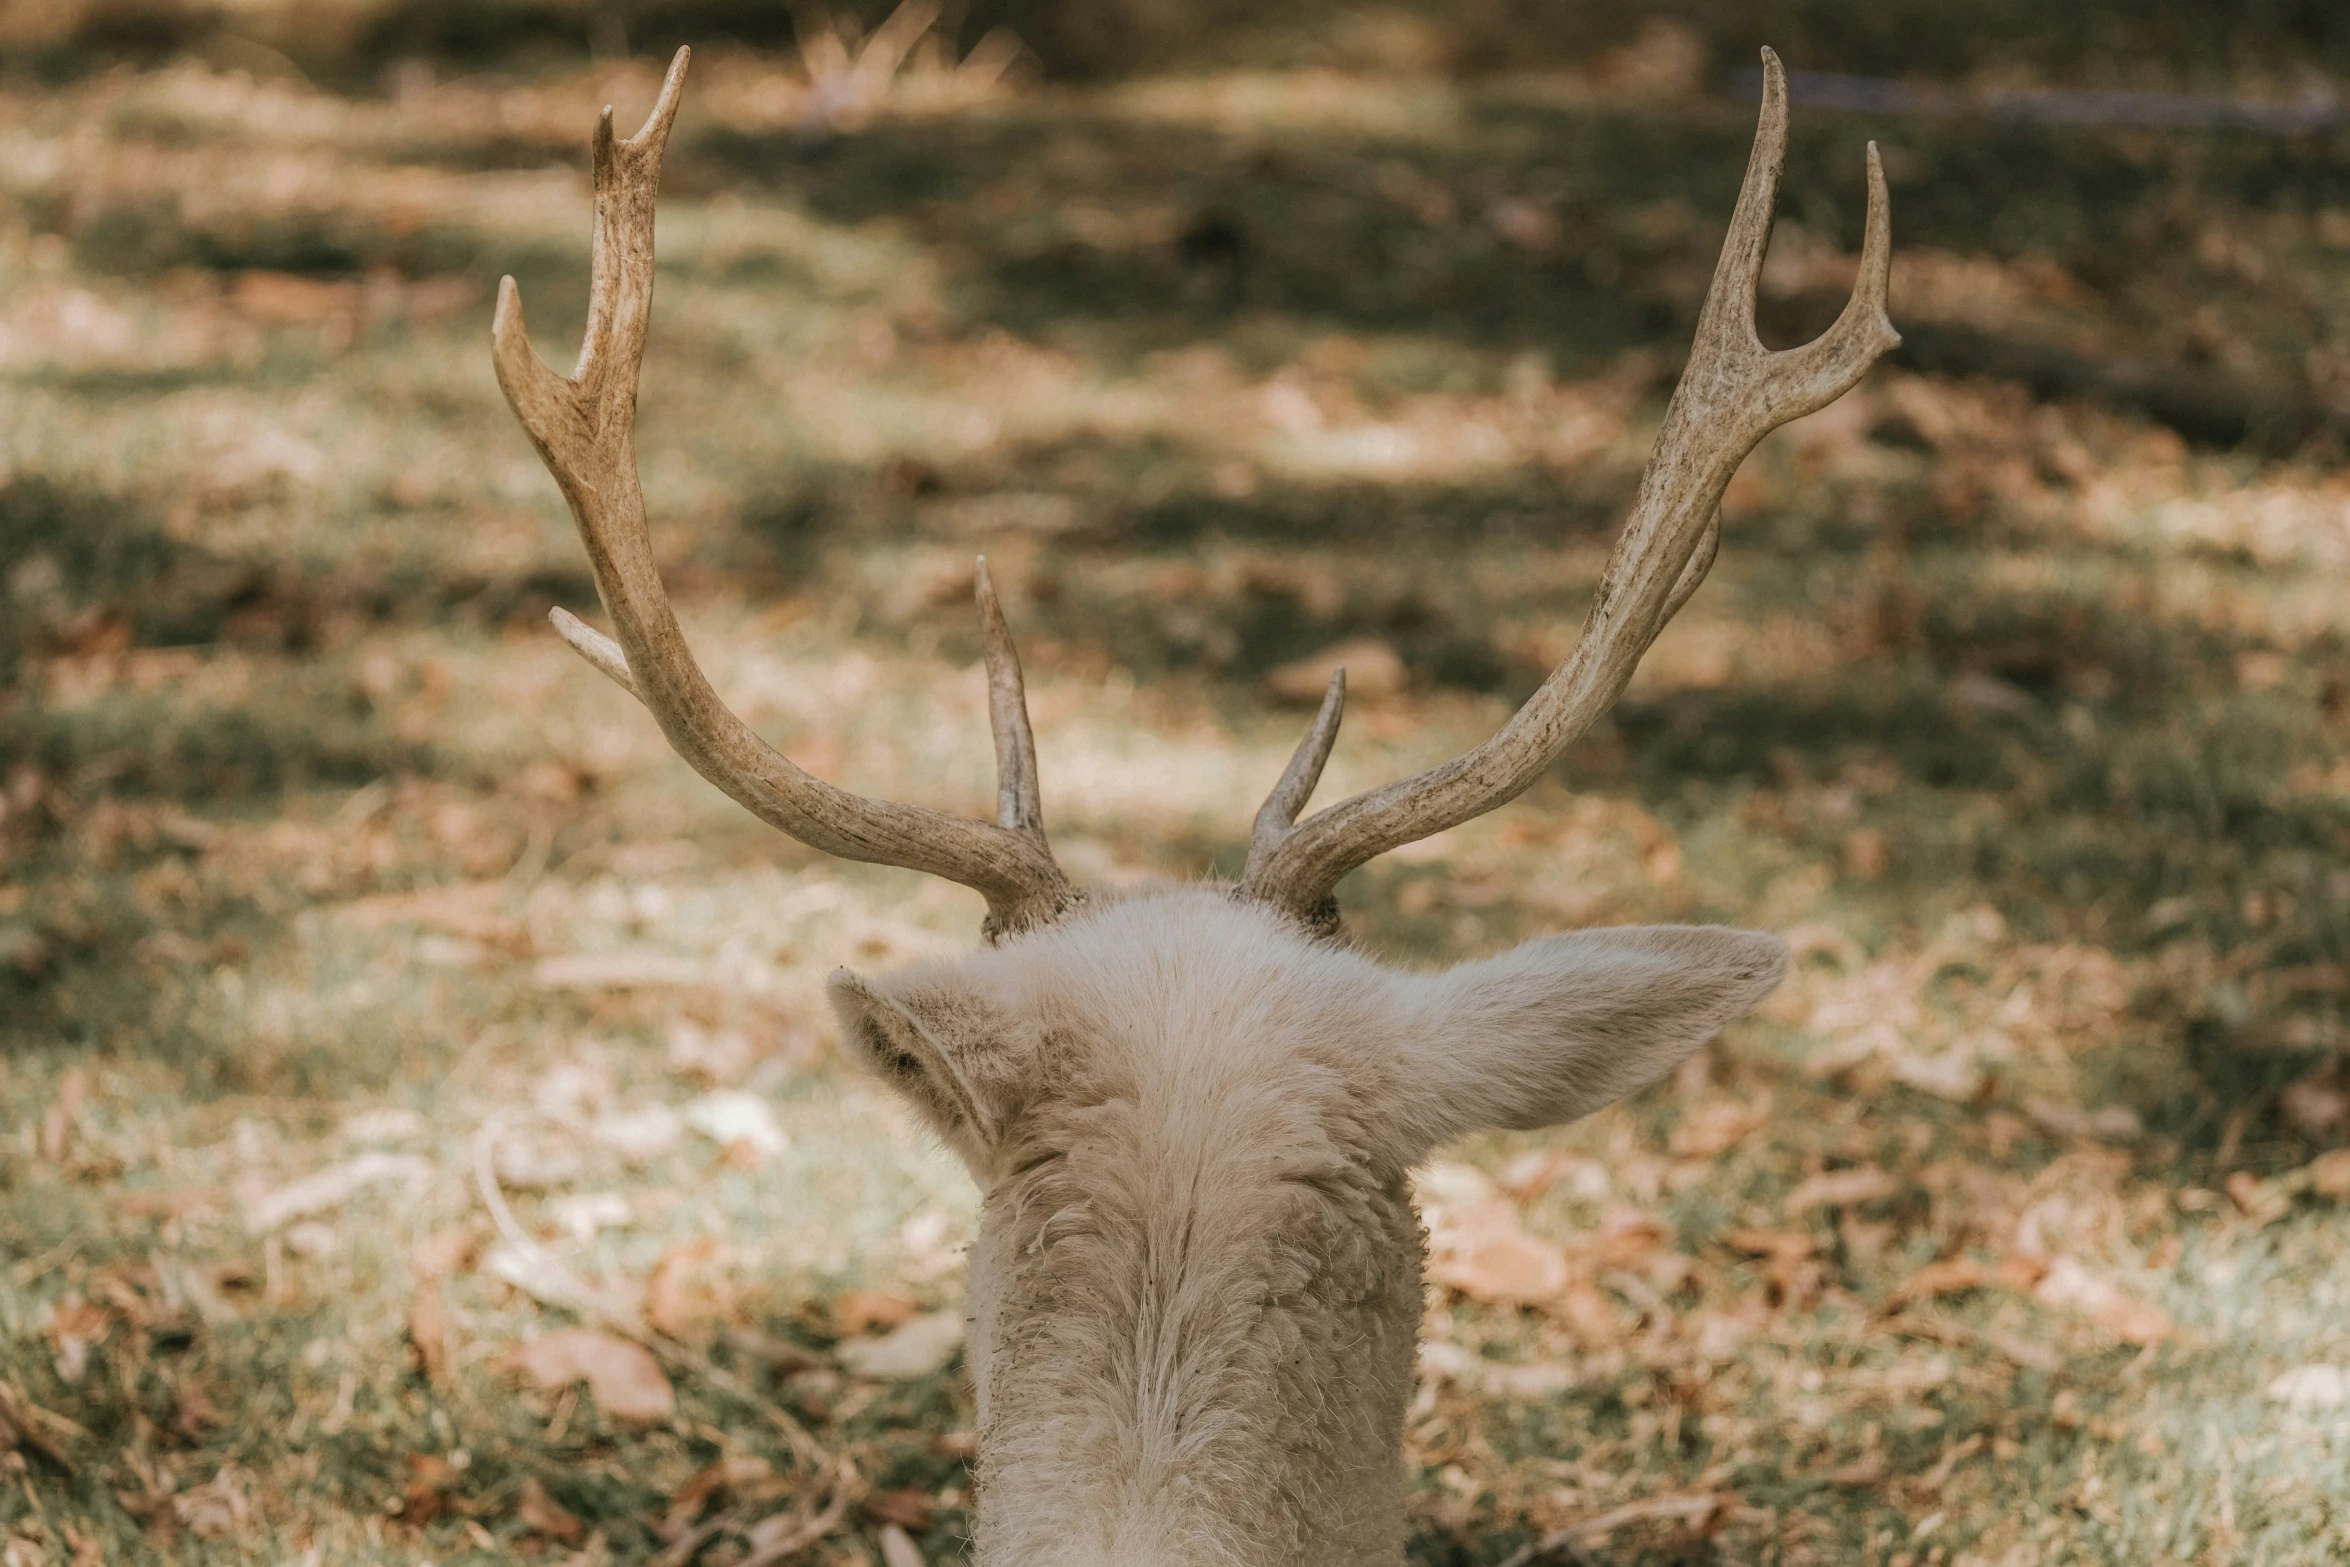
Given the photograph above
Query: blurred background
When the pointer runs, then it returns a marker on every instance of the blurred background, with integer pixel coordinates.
(396, 1041)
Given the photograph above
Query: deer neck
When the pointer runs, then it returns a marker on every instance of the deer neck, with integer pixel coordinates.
(1192, 1341)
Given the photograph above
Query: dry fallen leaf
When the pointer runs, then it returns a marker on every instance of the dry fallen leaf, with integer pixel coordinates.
(1950, 1276)
(445, 1253)
(1784, 1244)
(686, 1289)
(1477, 1245)
(920, 1347)
(1714, 1128)
(76, 1327)
(429, 1332)
(861, 1311)
(1952, 1075)
(2069, 1286)
(426, 1495)
(1842, 1188)
(1589, 1316)
(2263, 1202)
(2329, 1175)
(542, 1513)
(626, 1380)
(1500, 1265)
(2319, 1106)
(912, 1511)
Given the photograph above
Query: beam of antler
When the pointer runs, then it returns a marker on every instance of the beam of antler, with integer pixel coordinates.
(584, 428)
(1733, 393)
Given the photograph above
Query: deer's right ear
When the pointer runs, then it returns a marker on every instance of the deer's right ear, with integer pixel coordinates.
(1568, 1024)
(888, 1035)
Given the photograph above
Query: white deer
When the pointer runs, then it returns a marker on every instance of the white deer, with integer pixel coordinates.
(1192, 1110)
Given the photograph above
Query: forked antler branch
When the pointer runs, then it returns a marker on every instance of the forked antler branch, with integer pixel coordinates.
(1733, 393)
(584, 428)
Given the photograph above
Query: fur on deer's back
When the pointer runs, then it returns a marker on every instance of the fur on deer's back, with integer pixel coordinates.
(1197, 1283)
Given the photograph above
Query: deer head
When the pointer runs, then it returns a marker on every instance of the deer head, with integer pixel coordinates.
(1192, 1111)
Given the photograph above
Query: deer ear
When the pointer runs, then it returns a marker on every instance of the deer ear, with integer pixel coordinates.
(888, 1035)
(1569, 1024)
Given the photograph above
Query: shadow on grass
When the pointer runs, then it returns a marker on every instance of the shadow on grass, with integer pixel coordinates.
(1617, 209)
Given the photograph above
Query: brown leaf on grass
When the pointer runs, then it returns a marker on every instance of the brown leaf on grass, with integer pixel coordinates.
(861, 1311)
(429, 1333)
(2263, 1202)
(1950, 1276)
(2069, 1286)
(1842, 1188)
(2329, 1175)
(2019, 1272)
(426, 1495)
(1786, 1244)
(918, 1347)
(1626, 1238)
(1713, 1129)
(1589, 1316)
(1689, 1507)
(1501, 1266)
(912, 1511)
(683, 1291)
(543, 1514)
(168, 1205)
(1861, 1472)
(780, 1356)
(626, 1380)
(1477, 1245)
(445, 1253)
(75, 1328)
(2319, 1105)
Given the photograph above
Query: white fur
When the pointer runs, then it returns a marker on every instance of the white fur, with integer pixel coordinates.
(1196, 1288)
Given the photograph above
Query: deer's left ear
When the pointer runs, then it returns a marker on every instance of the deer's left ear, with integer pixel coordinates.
(1569, 1024)
(888, 1034)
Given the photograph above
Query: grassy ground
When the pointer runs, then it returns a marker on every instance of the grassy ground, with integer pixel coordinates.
(1986, 1242)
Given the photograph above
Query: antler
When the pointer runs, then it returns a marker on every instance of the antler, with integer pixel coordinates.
(584, 429)
(1733, 393)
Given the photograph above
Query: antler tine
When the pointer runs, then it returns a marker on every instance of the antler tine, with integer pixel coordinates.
(597, 648)
(1733, 393)
(583, 427)
(1279, 812)
(1018, 792)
